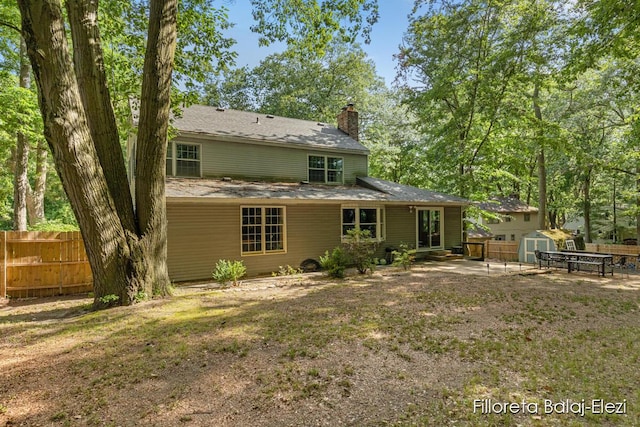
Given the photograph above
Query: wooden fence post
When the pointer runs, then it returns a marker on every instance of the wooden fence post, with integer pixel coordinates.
(3, 276)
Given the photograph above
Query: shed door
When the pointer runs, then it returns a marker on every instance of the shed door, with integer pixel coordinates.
(533, 243)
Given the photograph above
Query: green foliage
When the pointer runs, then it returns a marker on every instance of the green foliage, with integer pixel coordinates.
(229, 271)
(360, 248)
(404, 256)
(54, 225)
(389, 132)
(311, 25)
(109, 300)
(286, 270)
(335, 263)
(140, 296)
(291, 85)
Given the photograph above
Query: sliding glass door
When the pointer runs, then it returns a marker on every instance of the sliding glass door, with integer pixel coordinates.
(429, 235)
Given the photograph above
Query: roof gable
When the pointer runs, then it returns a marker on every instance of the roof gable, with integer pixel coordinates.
(263, 128)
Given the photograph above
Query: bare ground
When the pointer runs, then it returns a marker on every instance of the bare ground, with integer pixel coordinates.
(393, 348)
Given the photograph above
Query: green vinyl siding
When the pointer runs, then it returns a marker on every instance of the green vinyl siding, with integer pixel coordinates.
(400, 227)
(452, 227)
(197, 236)
(268, 162)
(201, 234)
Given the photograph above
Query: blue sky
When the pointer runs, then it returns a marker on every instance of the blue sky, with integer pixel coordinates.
(385, 38)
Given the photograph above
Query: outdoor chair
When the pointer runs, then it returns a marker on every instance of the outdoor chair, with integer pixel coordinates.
(542, 258)
(622, 265)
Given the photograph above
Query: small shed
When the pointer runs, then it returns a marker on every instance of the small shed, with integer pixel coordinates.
(538, 240)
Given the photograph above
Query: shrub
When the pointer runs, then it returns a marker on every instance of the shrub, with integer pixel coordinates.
(286, 270)
(229, 271)
(404, 256)
(360, 248)
(110, 300)
(335, 263)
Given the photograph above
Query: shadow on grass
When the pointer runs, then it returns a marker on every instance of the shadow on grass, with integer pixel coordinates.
(225, 352)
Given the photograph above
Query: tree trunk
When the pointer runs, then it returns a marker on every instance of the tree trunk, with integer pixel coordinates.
(615, 213)
(638, 206)
(542, 168)
(152, 140)
(35, 196)
(21, 164)
(587, 207)
(127, 260)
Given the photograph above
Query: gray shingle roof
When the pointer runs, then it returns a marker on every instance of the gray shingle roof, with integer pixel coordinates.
(216, 189)
(406, 193)
(369, 190)
(250, 126)
(506, 205)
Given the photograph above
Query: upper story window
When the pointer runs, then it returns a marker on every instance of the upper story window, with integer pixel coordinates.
(326, 169)
(527, 217)
(183, 159)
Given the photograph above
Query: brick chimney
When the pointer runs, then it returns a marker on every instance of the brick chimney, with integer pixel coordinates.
(348, 121)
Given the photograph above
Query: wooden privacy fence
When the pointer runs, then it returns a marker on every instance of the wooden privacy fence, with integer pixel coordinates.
(496, 249)
(504, 251)
(508, 251)
(38, 264)
(613, 249)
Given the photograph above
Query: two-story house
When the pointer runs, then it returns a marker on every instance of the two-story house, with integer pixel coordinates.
(274, 191)
(515, 218)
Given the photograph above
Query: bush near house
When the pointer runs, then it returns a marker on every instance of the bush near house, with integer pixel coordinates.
(335, 263)
(229, 272)
(361, 248)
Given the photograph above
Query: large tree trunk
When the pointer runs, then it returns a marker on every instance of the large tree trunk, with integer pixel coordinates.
(123, 255)
(35, 195)
(152, 140)
(21, 164)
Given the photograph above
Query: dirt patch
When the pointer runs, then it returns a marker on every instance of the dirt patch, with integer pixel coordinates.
(393, 348)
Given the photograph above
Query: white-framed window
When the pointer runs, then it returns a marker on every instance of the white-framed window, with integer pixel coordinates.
(365, 218)
(263, 229)
(326, 169)
(430, 228)
(184, 159)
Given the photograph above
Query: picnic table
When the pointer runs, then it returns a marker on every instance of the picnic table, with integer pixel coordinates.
(574, 260)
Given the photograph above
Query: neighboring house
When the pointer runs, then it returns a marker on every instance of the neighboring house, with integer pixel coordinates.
(517, 219)
(274, 191)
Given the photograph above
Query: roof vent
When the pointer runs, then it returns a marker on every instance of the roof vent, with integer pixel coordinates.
(258, 120)
(321, 124)
(219, 109)
(226, 178)
(269, 116)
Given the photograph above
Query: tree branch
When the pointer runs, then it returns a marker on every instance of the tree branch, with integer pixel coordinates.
(10, 26)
